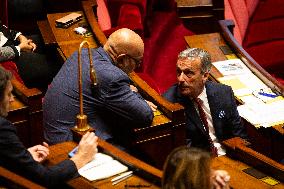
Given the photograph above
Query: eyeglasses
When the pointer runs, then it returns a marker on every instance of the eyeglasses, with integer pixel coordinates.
(137, 61)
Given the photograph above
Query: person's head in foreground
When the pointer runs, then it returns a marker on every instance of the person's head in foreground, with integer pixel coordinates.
(189, 168)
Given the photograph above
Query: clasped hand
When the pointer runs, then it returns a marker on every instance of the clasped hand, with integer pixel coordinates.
(26, 45)
(39, 152)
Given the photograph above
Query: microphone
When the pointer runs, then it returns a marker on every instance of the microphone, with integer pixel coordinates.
(81, 119)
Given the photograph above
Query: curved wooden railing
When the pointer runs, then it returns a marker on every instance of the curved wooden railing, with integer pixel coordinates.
(9, 179)
(226, 31)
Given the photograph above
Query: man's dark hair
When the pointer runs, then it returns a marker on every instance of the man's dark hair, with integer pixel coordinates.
(5, 76)
(198, 53)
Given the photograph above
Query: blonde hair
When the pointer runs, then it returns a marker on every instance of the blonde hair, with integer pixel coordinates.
(187, 168)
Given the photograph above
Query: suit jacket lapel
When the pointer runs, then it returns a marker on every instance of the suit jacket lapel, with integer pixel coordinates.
(213, 104)
(191, 112)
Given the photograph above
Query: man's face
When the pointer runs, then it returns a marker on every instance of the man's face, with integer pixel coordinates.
(190, 79)
(7, 99)
(130, 63)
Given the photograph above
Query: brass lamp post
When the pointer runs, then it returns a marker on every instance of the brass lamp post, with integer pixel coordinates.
(82, 125)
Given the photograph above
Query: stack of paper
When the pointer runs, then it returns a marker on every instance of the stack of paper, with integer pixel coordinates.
(261, 106)
(103, 166)
(263, 114)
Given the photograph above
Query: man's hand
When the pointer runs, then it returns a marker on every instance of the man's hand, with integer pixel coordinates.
(39, 152)
(86, 150)
(26, 45)
(152, 105)
(220, 179)
(133, 88)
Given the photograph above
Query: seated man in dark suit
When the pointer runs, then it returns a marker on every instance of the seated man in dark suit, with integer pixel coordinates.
(27, 162)
(31, 62)
(210, 108)
(113, 106)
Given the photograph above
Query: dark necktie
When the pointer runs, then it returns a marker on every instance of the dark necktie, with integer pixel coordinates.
(203, 118)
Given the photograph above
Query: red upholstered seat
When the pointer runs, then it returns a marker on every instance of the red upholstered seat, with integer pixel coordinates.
(129, 17)
(259, 29)
(236, 10)
(271, 30)
(149, 81)
(103, 15)
(11, 66)
(114, 7)
(268, 10)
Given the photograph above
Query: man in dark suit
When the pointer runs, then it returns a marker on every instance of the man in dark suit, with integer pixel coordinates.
(27, 162)
(210, 108)
(113, 106)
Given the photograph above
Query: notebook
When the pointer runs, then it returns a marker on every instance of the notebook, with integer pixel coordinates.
(103, 166)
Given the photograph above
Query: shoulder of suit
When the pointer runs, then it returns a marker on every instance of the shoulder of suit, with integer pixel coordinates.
(5, 124)
(217, 85)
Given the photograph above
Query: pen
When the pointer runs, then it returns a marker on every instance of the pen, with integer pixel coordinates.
(122, 179)
(267, 94)
(121, 176)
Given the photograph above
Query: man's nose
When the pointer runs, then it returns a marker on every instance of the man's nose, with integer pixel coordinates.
(181, 77)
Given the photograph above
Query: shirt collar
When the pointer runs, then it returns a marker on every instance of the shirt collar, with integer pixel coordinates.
(203, 95)
(3, 39)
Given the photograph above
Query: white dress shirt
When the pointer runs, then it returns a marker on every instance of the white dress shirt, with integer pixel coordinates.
(206, 108)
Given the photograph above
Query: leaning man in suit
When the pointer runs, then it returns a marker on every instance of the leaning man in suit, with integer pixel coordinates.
(210, 108)
(113, 106)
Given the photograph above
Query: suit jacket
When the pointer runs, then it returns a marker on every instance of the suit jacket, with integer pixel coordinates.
(14, 156)
(8, 43)
(112, 108)
(226, 120)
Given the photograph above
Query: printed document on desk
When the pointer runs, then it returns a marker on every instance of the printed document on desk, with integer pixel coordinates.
(243, 84)
(103, 166)
(263, 114)
(231, 67)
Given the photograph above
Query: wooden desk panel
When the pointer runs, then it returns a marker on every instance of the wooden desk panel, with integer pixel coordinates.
(19, 116)
(240, 179)
(66, 38)
(60, 152)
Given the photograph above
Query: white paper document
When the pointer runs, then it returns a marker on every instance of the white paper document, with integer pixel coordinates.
(263, 114)
(103, 166)
(231, 67)
(243, 84)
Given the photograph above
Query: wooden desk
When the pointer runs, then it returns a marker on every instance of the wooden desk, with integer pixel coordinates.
(240, 179)
(65, 38)
(60, 152)
(269, 141)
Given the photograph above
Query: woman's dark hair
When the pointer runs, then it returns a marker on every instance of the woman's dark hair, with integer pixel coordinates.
(5, 76)
(187, 168)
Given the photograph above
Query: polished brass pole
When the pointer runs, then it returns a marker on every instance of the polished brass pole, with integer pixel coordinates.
(81, 118)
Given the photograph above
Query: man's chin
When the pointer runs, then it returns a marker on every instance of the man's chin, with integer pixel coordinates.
(184, 91)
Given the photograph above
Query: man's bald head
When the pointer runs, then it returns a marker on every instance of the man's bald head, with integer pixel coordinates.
(124, 41)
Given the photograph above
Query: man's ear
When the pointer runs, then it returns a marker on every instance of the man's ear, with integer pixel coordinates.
(120, 57)
(205, 76)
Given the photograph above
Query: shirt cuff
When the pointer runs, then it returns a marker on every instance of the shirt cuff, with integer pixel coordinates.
(18, 49)
(17, 35)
